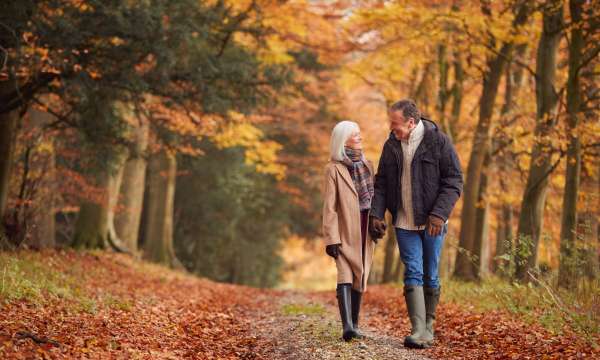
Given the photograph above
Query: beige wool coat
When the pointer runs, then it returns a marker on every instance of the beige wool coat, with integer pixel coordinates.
(341, 225)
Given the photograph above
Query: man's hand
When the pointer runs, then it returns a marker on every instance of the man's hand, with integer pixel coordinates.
(434, 225)
(376, 228)
(333, 250)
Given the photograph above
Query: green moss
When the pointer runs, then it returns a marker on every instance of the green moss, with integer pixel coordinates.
(27, 278)
(303, 309)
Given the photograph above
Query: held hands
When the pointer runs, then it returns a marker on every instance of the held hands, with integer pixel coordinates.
(434, 225)
(376, 228)
(333, 250)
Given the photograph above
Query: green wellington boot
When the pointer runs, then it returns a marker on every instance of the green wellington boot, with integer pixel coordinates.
(415, 303)
(432, 297)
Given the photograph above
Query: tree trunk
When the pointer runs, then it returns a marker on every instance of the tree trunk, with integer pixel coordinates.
(464, 267)
(568, 233)
(44, 229)
(505, 163)
(127, 223)
(158, 244)
(443, 91)
(113, 203)
(423, 91)
(91, 228)
(8, 134)
(390, 252)
(534, 197)
(457, 94)
(481, 219)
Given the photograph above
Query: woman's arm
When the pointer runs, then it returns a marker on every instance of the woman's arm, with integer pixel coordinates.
(331, 233)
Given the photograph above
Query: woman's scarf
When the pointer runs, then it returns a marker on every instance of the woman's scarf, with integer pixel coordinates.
(363, 181)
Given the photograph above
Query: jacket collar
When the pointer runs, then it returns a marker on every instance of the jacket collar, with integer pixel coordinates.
(345, 173)
(430, 128)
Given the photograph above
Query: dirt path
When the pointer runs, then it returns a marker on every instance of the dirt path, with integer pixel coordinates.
(306, 326)
(74, 305)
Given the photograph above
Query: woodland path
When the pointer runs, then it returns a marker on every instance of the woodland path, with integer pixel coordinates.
(97, 305)
(306, 326)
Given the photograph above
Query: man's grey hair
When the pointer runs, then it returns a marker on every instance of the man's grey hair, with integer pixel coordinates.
(408, 108)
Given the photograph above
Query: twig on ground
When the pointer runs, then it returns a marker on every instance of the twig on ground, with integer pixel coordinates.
(35, 338)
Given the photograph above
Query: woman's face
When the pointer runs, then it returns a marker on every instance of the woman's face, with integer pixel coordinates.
(354, 141)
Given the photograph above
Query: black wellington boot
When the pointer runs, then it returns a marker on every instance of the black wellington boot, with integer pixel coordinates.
(356, 299)
(345, 305)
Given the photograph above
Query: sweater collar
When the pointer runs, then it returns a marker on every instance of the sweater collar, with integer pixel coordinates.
(416, 135)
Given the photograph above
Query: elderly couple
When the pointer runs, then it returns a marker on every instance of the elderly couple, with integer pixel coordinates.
(418, 181)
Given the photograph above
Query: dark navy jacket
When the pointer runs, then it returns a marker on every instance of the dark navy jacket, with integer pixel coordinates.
(436, 177)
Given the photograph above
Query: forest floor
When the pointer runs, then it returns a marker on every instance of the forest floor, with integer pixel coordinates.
(68, 304)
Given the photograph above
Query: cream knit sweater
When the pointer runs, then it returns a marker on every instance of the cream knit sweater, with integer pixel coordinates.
(405, 219)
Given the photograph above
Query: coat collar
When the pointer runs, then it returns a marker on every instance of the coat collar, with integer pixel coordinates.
(345, 173)
(428, 137)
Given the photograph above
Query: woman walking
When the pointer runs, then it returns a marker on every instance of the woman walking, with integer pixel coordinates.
(347, 201)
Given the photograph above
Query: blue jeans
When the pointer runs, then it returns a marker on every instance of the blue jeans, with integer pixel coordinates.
(420, 254)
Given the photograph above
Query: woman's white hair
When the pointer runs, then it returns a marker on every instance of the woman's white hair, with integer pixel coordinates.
(340, 134)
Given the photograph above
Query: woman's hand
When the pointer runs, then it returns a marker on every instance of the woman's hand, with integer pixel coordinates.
(333, 250)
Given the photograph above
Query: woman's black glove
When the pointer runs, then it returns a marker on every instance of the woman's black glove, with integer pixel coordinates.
(333, 250)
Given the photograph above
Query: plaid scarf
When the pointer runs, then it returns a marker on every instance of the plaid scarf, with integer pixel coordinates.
(361, 176)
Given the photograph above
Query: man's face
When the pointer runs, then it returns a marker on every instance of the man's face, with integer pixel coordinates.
(400, 126)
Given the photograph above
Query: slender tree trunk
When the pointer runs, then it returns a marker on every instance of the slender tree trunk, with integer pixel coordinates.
(127, 223)
(568, 233)
(481, 220)
(465, 268)
(158, 246)
(423, 91)
(457, 94)
(390, 252)
(534, 197)
(443, 91)
(8, 134)
(504, 235)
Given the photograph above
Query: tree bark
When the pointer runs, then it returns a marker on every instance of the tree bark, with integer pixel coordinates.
(443, 91)
(390, 252)
(8, 134)
(423, 91)
(44, 227)
(457, 94)
(481, 220)
(113, 202)
(534, 197)
(127, 223)
(158, 244)
(91, 228)
(568, 233)
(465, 268)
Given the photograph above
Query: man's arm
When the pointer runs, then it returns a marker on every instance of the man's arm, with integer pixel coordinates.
(451, 181)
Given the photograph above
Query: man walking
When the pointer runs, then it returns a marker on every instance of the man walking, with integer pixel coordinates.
(418, 181)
